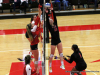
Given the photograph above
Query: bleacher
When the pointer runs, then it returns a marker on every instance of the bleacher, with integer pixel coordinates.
(7, 5)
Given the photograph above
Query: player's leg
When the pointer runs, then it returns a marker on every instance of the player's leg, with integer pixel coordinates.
(53, 47)
(60, 50)
(36, 54)
(74, 70)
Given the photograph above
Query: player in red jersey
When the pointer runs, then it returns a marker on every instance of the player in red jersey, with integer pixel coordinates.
(32, 35)
(27, 68)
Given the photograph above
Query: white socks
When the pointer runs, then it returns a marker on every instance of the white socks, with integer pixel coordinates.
(62, 62)
(50, 64)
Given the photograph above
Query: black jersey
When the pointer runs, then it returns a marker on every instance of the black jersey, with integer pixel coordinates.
(53, 29)
(77, 57)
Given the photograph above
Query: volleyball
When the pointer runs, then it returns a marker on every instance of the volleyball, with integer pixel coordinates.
(47, 5)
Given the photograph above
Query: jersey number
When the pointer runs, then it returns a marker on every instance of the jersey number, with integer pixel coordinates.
(80, 55)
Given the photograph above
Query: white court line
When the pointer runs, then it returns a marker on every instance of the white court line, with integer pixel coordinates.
(92, 72)
(50, 48)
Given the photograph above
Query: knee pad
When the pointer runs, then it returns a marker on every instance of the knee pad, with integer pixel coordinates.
(36, 62)
(61, 54)
(51, 55)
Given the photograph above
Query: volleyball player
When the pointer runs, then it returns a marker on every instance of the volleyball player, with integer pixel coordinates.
(55, 39)
(78, 58)
(32, 35)
(33, 19)
(27, 68)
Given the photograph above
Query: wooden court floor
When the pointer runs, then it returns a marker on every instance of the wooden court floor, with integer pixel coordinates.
(16, 45)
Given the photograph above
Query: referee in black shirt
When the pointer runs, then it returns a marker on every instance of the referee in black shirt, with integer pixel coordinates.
(78, 58)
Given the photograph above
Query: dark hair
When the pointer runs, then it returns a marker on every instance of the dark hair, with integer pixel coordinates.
(75, 47)
(32, 17)
(27, 59)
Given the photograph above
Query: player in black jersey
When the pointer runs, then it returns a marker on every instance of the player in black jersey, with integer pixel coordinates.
(78, 58)
(55, 38)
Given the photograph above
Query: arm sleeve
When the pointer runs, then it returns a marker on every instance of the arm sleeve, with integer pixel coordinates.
(26, 35)
(55, 20)
(28, 70)
(71, 59)
(34, 28)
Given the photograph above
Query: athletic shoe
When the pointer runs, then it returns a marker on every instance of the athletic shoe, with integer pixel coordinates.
(50, 69)
(32, 57)
(62, 66)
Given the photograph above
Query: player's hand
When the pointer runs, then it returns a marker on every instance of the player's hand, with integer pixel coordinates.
(46, 10)
(50, 8)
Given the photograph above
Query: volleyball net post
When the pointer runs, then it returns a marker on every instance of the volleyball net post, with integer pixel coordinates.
(44, 41)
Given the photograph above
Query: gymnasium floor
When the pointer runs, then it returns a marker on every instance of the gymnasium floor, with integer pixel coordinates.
(83, 30)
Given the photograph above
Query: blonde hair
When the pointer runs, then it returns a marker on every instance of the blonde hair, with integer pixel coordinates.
(51, 22)
(28, 27)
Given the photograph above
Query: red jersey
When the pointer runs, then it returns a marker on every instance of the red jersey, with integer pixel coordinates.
(35, 36)
(28, 70)
(35, 32)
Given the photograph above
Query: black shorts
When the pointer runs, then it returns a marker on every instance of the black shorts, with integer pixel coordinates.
(55, 41)
(81, 67)
(34, 47)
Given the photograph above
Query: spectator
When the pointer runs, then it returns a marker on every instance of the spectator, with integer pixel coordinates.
(25, 4)
(15, 3)
(95, 1)
(65, 3)
(58, 4)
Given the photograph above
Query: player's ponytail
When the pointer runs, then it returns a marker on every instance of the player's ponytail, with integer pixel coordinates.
(28, 27)
(27, 59)
(75, 47)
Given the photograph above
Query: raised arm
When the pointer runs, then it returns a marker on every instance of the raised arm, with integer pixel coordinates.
(47, 17)
(53, 15)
